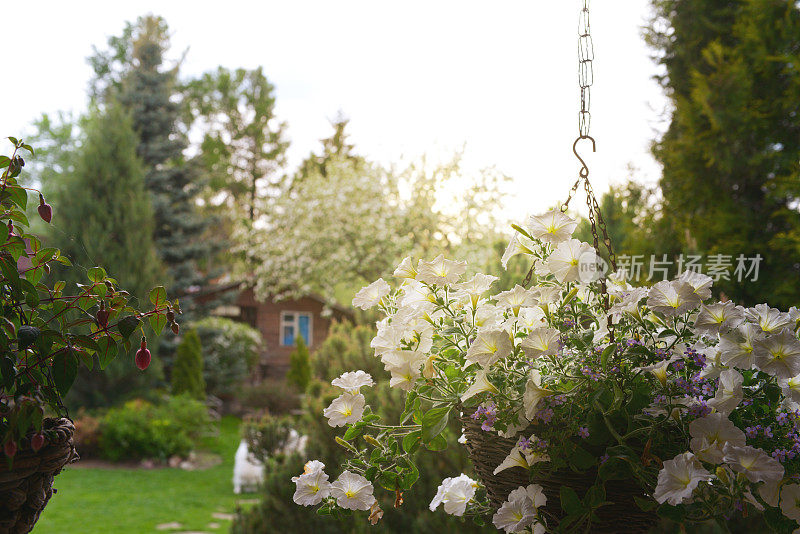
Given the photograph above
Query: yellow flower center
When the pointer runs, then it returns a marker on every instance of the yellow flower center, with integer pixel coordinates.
(350, 494)
(347, 412)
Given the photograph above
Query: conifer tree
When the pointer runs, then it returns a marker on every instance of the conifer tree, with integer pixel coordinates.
(133, 70)
(299, 372)
(105, 218)
(731, 182)
(187, 371)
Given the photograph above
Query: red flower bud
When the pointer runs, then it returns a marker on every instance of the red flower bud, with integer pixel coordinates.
(37, 442)
(10, 448)
(102, 315)
(45, 209)
(143, 357)
(176, 328)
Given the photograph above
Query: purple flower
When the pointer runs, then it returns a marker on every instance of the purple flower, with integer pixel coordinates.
(678, 365)
(524, 443)
(782, 418)
(751, 431)
(583, 432)
(603, 459)
(767, 432)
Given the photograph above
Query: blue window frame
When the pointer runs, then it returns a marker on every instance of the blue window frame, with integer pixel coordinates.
(294, 324)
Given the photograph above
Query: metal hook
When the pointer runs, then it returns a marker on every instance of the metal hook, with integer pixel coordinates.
(584, 172)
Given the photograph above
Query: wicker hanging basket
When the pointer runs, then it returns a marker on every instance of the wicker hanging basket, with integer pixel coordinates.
(487, 450)
(27, 485)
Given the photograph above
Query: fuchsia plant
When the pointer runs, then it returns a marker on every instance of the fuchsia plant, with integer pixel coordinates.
(48, 331)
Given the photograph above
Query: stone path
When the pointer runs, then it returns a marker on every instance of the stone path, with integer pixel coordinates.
(175, 527)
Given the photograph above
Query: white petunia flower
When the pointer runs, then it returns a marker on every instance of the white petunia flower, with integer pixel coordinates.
(701, 283)
(628, 302)
(352, 491)
(548, 294)
(541, 342)
(405, 269)
(311, 466)
(714, 364)
(516, 298)
(715, 318)
(790, 501)
(672, 298)
(489, 346)
(678, 479)
(345, 409)
(736, 347)
(440, 271)
(534, 393)
(514, 515)
(729, 392)
(416, 293)
(480, 385)
(769, 492)
(659, 369)
(565, 261)
(455, 494)
(312, 486)
(711, 433)
(552, 227)
(790, 387)
(531, 318)
(472, 289)
(756, 464)
(768, 319)
(778, 355)
(353, 381)
(519, 458)
(371, 295)
(404, 366)
(518, 245)
(520, 510)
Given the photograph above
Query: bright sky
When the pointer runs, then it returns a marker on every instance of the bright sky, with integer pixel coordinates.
(414, 77)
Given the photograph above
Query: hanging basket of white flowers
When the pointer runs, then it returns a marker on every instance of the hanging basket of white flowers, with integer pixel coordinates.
(586, 404)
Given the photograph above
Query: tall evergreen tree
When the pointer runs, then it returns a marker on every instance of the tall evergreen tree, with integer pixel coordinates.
(336, 146)
(731, 181)
(133, 71)
(105, 218)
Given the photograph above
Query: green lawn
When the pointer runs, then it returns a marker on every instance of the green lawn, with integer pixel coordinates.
(136, 500)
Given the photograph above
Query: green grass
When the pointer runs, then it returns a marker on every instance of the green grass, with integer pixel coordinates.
(136, 500)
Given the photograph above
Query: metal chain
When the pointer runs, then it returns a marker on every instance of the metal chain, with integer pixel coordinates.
(585, 70)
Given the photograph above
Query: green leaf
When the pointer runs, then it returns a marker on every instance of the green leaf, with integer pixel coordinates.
(18, 196)
(581, 459)
(411, 441)
(595, 497)
(388, 480)
(437, 444)
(570, 502)
(7, 372)
(353, 432)
(409, 478)
(127, 325)
(434, 421)
(607, 352)
(96, 274)
(645, 505)
(673, 513)
(107, 351)
(667, 332)
(157, 323)
(65, 369)
(158, 296)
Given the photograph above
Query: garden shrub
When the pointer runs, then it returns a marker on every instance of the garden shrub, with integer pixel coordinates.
(187, 373)
(140, 429)
(274, 396)
(230, 350)
(267, 435)
(87, 434)
(299, 365)
(347, 347)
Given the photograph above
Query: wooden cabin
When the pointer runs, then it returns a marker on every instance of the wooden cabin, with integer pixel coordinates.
(280, 322)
